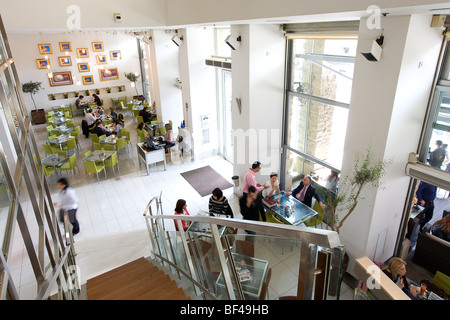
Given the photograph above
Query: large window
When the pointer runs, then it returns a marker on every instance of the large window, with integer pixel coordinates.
(320, 73)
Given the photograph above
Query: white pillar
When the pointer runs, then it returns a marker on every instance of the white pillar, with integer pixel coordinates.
(388, 104)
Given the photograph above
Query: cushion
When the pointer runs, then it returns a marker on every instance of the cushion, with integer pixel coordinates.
(442, 281)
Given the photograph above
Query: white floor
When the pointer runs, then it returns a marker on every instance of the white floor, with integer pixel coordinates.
(112, 227)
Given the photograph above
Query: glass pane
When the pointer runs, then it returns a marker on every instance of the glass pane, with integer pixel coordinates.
(5, 200)
(317, 129)
(324, 67)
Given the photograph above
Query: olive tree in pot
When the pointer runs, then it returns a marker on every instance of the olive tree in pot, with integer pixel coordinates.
(31, 87)
(366, 171)
(133, 77)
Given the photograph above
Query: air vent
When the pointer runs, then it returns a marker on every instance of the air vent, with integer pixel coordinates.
(428, 174)
(218, 63)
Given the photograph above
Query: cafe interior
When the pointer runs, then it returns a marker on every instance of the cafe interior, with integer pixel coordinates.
(188, 100)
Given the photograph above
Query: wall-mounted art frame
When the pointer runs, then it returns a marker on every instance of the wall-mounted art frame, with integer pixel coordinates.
(101, 59)
(45, 48)
(97, 46)
(82, 53)
(61, 79)
(43, 63)
(65, 61)
(115, 55)
(108, 74)
(65, 46)
(88, 79)
(83, 67)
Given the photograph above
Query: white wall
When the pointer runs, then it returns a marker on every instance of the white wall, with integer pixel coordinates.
(166, 64)
(388, 104)
(25, 51)
(258, 80)
(199, 86)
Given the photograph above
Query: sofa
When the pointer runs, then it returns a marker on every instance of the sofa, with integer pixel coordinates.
(432, 253)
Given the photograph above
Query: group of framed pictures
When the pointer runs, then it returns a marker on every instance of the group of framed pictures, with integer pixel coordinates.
(65, 77)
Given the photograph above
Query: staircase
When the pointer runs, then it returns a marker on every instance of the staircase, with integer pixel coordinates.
(137, 280)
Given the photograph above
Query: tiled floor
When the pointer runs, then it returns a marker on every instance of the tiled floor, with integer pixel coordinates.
(112, 227)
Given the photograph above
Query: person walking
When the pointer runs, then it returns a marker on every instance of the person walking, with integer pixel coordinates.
(426, 193)
(68, 202)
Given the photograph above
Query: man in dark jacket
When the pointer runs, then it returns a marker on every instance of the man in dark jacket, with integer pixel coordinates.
(426, 193)
(252, 207)
(437, 156)
(305, 192)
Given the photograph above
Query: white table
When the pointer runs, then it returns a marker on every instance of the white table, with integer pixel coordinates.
(150, 156)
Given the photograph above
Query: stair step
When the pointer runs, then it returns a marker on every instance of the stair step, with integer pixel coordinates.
(113, 286)
(117, 271)
(169, 287)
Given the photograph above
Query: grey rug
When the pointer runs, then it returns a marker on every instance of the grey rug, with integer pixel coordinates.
(204, 180)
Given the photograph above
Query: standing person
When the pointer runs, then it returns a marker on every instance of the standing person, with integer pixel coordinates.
(332, 181)
(305, 192)
(273, 186)
(426, 193)
(145, 114)
(396, 271)
(181, 208)
(218, 203)
(90, 118)
(250, 178)
(437, 155)
(251, 207)
(68, 202)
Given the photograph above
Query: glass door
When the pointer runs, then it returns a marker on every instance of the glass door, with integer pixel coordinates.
(227, 112)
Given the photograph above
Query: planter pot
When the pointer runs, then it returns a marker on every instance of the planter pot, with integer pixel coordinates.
(139, 97)
(38, 116)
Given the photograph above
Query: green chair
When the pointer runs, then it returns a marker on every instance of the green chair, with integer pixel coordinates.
(70, 165)
(48, 170)
(49, 129)
(94, 138)
(87, 154)
(93, 167)
(48, 149)
(107, 122)
(139, 119)
(76, 134)
(103, 136)
(127, 135)
(112, 161)
(68, 115)
(141, 134)
(317, 220)
(136, 115)
(70, 123)
(154, 122)
(71, 145)
(108, 147)
(51, 137)
(171, 124)
(162, 130)
(442, 281)
(97, 146)
(51, 119)
(145, 104)
(120, 144)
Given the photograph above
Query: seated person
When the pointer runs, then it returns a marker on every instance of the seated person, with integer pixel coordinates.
(142, 133)
(113, 114)
(305, 192)
(441, 228)
(96, 99)
(99, 111)
(218, 203)
(396, 271)
(118, 126)
(168, 137)
(145, 114)
(90, 118)
(80, 104)
(99, 130)
(180, 208)
(273, 184)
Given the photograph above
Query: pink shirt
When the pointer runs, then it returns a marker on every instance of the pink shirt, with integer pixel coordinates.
(250, 180)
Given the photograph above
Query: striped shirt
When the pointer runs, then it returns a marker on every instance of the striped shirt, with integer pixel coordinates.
(220, 206)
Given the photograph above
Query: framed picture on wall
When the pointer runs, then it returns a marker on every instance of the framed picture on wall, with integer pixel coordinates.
(97, 46)
(43, 63)
(115, 55)
(82, 53)
(101, 59)
(108, 74)
(45, 48)
(65, 61)
(65, 46)
(61, 79)
(88, 79)
(83, 67)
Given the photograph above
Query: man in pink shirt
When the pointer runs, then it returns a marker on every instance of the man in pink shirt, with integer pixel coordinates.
(250, 178)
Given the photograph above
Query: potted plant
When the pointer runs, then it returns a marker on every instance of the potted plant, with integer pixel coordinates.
(108, 90)
(120, 88)
(87, 93)
(366, 171)
(133, 77)
(37, 115)
(76, 94)
(97, 91)
(52, 96)
(66, 95)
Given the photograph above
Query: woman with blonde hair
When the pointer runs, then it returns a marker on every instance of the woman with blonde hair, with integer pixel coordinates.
(396, 271)
(441, 228)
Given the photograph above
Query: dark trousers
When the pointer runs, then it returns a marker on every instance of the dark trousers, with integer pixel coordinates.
(427, 214)
(72, 215)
